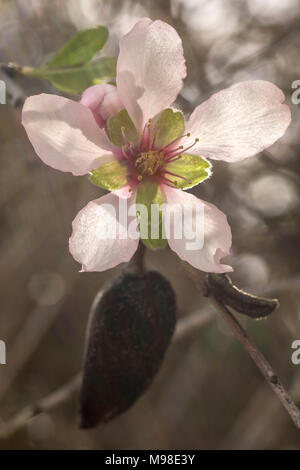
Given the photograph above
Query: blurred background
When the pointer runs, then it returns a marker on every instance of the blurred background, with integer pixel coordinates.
(208, 393)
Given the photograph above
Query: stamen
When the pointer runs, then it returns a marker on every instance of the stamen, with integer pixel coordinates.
(152, 143)
(126, 141)
(124, 152)
(168, 182)
(183, 150)
(144, 142)
(178, 176)
(170, 145)
(174, 159)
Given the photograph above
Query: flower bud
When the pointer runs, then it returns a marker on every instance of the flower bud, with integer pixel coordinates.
(103, 100)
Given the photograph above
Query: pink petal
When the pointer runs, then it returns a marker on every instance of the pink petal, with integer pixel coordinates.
(150, 69)
(64, 134)
(103, 100)
(239, 122)
(217, 233)
(94, 242)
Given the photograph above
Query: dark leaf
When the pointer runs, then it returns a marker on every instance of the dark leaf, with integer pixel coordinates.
(253, 306)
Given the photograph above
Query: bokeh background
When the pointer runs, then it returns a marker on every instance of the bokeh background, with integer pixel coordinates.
(208, 394)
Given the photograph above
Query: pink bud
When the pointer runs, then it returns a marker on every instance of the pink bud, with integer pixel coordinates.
(103, 100)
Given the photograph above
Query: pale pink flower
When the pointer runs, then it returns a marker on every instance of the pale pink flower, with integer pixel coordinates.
(232, 125)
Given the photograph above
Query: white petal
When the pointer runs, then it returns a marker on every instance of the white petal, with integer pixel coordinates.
(64, 133)
(239, 122)
(150, 69)
(211, 232)
(100, 238)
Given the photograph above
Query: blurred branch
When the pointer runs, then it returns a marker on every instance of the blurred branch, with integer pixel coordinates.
(44, 405)
(266, 369)
(247, 432)
(15, 94)
(268, 50)
(184, 327)
(192, 323)
(34, 329)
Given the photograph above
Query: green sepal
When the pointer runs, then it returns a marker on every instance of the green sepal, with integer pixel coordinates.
(110, 176)
(167, 126)
(149, 194)
(194, 169)
(114, 128)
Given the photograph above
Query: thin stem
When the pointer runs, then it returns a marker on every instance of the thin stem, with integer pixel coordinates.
(256, 355)
(260, 361)
(136, 264)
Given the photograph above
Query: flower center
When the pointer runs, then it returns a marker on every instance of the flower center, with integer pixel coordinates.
(145, 158)
(148, 163)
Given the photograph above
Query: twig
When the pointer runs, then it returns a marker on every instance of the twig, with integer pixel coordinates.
(260, 361)
(46, 404)
(264, 366)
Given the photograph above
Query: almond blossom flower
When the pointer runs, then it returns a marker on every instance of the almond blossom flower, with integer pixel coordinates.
(134, 144)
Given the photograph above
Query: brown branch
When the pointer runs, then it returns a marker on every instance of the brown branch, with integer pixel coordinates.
(239, 332)
(21, 419)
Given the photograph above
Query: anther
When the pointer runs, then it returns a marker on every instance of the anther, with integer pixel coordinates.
(179, 151)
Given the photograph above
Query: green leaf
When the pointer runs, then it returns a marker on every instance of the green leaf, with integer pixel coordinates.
(81, 48)
(110, 176)
(115, 125)
(194, 169)
(150, 196)
(71, 70)
(76, 79)
(168, 126)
